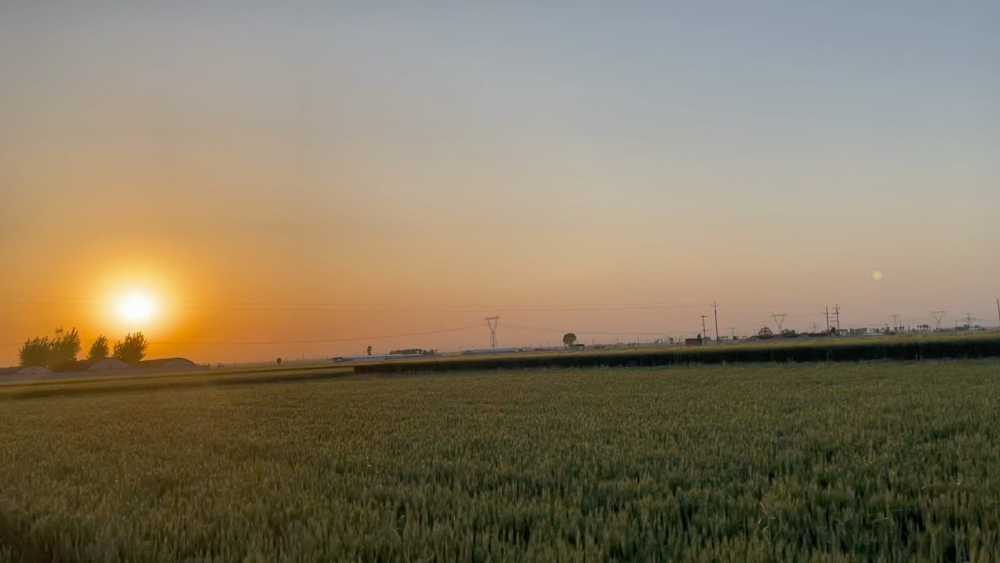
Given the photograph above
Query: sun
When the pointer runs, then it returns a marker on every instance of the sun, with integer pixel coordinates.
(135, 307)
(877, 275)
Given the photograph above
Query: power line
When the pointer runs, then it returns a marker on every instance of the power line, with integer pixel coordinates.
(325, 341)
(276, 306)
(595, 332)
(372, 308)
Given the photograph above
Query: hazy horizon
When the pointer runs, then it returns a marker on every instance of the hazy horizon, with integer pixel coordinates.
(303, 173)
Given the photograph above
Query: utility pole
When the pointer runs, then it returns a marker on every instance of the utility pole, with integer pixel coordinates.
(828, 320)
(715, 307)
(998, 309)
(779, 320)
(703, 329)
(939, 316)
(968, 320)
(836, 313)
(492, 323)
(895, 323)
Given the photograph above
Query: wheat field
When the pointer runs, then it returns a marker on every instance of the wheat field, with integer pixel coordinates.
(847, 461)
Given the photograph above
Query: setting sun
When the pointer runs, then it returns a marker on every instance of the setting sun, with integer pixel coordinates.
(136, 307)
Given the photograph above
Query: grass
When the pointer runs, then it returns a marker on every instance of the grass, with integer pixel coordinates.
(847, 461)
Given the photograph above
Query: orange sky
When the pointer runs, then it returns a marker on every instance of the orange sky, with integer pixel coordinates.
(302, 177)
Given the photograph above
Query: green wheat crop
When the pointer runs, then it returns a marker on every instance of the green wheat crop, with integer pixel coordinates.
(884, 460)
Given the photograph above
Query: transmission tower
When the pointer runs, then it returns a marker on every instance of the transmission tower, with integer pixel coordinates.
(779, 320)
(492, 323)
(938, 317)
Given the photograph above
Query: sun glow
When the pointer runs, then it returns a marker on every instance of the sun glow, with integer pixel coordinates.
(135, 307)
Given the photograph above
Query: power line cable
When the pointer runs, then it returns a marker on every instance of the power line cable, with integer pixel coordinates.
(324, 341)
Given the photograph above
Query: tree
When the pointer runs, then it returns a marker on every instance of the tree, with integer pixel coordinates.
(35, 352)
(56, 353)
(63, 348)
(369, 350)
(99, 350)
(133, 350)
(569, 339)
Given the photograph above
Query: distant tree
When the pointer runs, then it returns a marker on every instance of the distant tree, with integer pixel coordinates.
(569, 339)
(35, 352)
(369, 350)
(99, 350)
(133, 350)
(279, 361)
(54, 353)
(64, 348)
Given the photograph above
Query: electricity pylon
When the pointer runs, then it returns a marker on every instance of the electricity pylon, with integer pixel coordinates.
(938, 316)
(492, 323)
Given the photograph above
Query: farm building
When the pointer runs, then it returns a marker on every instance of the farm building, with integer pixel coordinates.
(33, 371)
(167, 363)
(376, 357)
(484, 351)
(108, 364)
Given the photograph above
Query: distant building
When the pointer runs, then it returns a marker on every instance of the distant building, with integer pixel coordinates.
(168, 363)
(108, 364)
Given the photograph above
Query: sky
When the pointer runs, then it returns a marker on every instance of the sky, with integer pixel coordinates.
(305, 178)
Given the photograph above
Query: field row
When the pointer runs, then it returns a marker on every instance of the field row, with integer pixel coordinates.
(985, 345)
(887, 460)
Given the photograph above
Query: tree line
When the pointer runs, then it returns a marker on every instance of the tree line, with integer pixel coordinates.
(61, 350)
